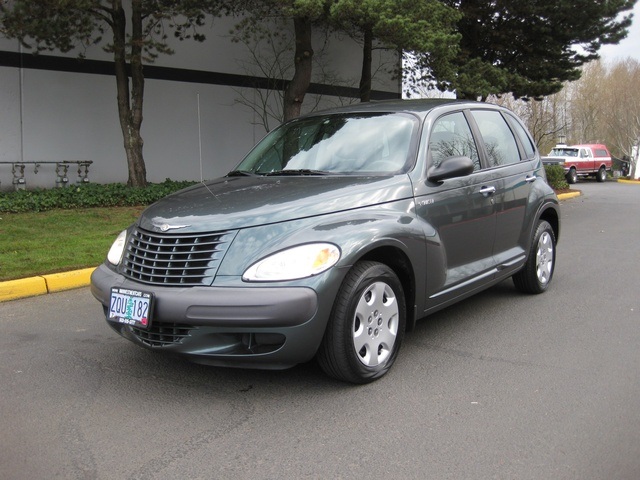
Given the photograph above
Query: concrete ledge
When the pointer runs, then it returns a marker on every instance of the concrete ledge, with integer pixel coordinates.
(566, 196)
(55, 282)
(25, 287)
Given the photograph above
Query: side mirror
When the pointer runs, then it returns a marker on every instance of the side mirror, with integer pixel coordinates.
(451, 167)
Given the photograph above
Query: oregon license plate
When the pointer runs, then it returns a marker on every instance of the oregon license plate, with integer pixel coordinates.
(131, 307)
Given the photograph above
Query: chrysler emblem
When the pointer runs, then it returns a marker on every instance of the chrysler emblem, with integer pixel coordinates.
(164, 227)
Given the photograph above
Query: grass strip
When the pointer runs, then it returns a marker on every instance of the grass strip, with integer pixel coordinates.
(59, 240)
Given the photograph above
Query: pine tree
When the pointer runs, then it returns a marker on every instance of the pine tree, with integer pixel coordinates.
(424, 27)
(530, 47)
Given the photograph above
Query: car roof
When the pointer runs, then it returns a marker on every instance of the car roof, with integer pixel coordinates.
(419, 106)
(590, 145)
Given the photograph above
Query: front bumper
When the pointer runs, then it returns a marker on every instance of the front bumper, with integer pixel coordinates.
(550, 161)
(252, 326)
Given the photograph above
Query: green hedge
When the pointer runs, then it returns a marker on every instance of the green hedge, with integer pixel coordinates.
(556, 177)
(119, 195)
(86, 196)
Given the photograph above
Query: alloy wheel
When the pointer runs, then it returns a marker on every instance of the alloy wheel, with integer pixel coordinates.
(375, 324)
(544, 258)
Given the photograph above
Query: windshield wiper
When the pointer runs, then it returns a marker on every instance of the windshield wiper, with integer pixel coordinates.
(241, 173)
(302, 171)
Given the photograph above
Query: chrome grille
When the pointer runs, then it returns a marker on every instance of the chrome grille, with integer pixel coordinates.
(174, 259)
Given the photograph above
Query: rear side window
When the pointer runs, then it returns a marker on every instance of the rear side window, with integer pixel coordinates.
(451, 137)
(499, 141)
(601, 153)
(525, 139)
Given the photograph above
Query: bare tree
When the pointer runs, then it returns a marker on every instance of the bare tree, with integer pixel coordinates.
(270, 51)
(546, 119)
(270, 61)
(603, 106)
(621, 117)
(587, 104)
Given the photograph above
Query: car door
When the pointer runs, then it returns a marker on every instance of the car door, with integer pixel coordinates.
(459, 215)
(586, 162)
(511, 155)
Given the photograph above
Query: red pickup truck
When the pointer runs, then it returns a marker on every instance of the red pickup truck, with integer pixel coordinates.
(581, 160)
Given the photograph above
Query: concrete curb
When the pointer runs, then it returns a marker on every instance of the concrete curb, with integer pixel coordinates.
(567, 196)
(55, 282)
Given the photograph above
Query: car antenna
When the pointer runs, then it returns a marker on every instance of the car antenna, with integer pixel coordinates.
(200, 149)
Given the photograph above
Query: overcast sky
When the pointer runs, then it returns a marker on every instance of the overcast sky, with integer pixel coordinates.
(630, 46)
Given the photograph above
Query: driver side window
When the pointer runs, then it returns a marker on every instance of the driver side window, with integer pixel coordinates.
(451, 137)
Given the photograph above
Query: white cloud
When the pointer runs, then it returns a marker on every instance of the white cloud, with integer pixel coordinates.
(630, 46)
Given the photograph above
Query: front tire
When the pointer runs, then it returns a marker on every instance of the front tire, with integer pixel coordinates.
(572, 176)
(538, 269)
(367, 325)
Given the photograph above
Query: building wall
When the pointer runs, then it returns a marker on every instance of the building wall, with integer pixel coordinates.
(54, 107)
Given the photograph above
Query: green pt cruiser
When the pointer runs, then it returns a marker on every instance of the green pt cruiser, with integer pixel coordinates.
(333, 236)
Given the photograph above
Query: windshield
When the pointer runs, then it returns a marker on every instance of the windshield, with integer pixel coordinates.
(339, 144)
(564, 152)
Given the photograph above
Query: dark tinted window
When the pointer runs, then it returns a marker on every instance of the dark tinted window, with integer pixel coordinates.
(499, 141)
(451, 137)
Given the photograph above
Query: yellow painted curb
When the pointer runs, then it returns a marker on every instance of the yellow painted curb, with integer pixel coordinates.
(630, 182)
(25, 287)
(566, 196)
(57, 282)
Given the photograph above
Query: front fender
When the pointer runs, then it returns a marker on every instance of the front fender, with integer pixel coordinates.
(356, 232)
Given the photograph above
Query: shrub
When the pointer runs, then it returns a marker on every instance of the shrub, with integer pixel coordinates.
(86, 196)
(556, 177)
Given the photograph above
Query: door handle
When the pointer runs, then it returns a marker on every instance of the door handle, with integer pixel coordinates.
(486, 191)
(530, 178)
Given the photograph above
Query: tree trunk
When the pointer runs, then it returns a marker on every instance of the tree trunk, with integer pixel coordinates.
(634, 159)
(130, 99)
(299, 84)
(365, 77)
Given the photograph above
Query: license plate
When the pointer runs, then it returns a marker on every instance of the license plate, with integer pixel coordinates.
(131, 307)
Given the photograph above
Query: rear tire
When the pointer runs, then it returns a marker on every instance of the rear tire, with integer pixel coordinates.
(601, 176)
(367, 325)
(538, 269)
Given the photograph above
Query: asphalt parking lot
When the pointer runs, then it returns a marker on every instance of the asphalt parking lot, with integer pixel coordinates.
(502, 385)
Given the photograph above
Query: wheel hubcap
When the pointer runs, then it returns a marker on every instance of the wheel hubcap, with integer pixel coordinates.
(375, 324)
(544, 258)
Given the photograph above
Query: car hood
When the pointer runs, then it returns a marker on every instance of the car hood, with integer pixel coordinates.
(241, 202)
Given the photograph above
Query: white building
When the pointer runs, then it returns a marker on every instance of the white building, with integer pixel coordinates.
(54, 107)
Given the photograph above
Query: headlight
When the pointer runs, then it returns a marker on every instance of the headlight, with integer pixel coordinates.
(115, 252)
(293, 263)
